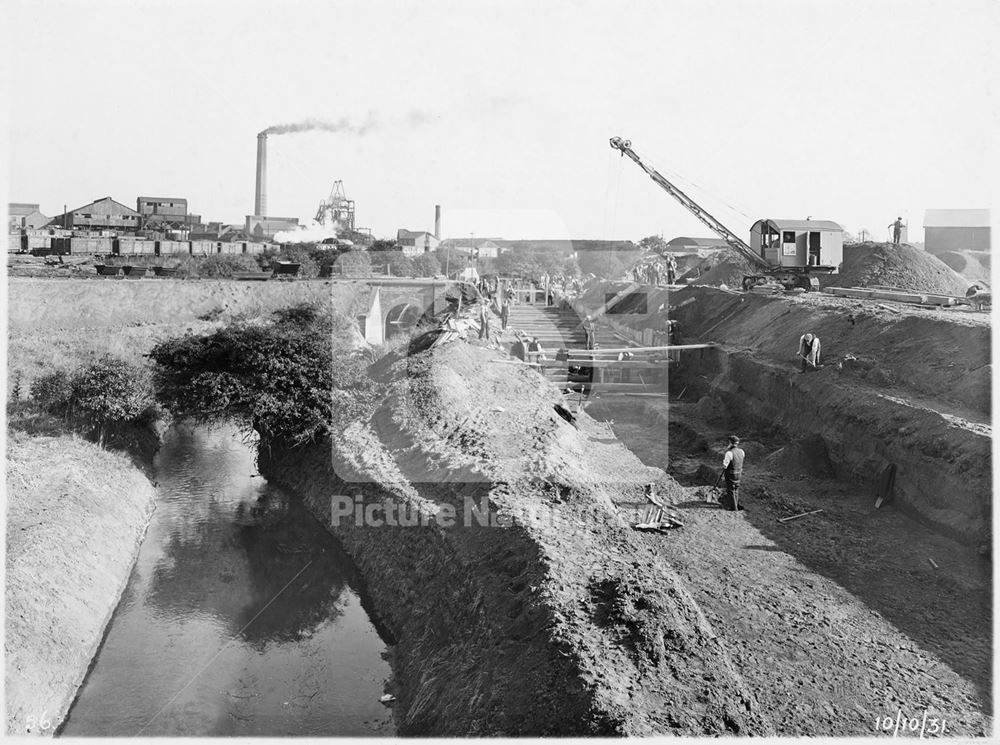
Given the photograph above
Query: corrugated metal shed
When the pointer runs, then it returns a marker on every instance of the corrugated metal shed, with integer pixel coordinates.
(957, 219)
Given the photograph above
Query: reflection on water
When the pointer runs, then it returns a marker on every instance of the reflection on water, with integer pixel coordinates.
(240, 617)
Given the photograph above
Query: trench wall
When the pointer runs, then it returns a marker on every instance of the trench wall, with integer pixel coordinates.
(899, 385)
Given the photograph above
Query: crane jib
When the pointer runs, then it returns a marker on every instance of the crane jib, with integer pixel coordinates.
(707, 219)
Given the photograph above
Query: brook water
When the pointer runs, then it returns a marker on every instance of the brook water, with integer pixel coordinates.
(242, 615)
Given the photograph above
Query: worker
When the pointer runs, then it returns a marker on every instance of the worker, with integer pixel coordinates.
(588, 328)
(535, 351)
(671, 270)
(897, 230)
(732, 470)
(809, 352)
(504, 313)
(484, 321)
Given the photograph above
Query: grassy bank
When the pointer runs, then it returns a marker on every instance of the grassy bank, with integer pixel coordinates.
(76, 514)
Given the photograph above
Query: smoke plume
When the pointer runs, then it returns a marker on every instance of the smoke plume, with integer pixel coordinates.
(312, 233)
(412, 118)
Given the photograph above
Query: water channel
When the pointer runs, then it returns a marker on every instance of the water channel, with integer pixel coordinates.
(242, 615)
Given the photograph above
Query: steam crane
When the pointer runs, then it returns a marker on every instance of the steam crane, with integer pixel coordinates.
(787, 276)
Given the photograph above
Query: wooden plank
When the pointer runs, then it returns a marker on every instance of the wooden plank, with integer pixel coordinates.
(642, 364)
(796, 517)
(641, 350)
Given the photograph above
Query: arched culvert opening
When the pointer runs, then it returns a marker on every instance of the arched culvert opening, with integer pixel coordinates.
(401, 318)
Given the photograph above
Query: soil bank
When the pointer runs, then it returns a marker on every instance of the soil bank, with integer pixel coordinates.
(556, 618)
(76, 514)
(899, 385)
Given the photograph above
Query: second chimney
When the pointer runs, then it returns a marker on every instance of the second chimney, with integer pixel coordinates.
(437, 221)
(260, 195)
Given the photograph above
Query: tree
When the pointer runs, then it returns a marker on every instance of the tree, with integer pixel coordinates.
(400, 264)
(426, 265)
(383, 244)
(354, 263)
(653, 244)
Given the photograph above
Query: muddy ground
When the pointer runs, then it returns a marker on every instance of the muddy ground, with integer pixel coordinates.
(835, 618)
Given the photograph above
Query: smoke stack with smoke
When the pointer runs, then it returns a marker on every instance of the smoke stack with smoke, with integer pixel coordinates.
(323, 125)
(437, 221)
(260, 194)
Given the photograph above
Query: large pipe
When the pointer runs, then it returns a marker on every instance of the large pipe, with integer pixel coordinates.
(437, 221)
(260, 194)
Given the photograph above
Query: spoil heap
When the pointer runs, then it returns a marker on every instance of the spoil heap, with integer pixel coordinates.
(973, 265)
(725, 267)
(904, 267)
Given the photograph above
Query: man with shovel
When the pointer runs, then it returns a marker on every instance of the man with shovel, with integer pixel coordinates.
(809, 352)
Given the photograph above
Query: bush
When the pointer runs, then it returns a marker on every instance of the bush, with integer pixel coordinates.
(110, 392)
(98, 396)
(294, 380)
(53, 392)
(354, 263)
(224, 265)
(426, 265)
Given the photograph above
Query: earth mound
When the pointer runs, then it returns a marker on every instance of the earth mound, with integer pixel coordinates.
(973, 265)
(725, 267)
(903, 267)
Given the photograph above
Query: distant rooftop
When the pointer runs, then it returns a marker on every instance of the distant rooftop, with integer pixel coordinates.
(957, 219)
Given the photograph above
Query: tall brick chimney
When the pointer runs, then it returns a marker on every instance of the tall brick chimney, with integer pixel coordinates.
(260, 194)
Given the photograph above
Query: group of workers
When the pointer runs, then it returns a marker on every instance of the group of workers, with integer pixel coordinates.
(655, 271)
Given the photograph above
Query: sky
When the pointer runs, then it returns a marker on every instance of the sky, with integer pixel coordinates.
(501, 111)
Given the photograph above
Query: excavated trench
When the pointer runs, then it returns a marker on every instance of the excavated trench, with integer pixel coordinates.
(942, 462)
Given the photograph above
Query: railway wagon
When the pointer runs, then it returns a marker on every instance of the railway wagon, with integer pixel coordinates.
(231, 248)
(204, 248)
(91, 245)
(173, 248)
(126, 246)
(257, 248)
(32, 243)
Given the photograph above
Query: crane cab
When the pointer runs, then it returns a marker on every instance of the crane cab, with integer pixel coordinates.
(805, 245)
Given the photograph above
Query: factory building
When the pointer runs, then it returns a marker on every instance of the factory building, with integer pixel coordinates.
(165, 211)
(24, 216)
(415, 242)
(484, 248)
(258, 227)
(101, 214)
(956, 230)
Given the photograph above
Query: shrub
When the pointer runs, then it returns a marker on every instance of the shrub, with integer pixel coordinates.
(98, 396)
(426, 265)
(53, 392)
(224, 265)
(294, 380)
(354, 263)
(110, 392)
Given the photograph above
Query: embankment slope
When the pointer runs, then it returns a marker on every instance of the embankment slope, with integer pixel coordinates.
(75, 517)
(564, 622)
